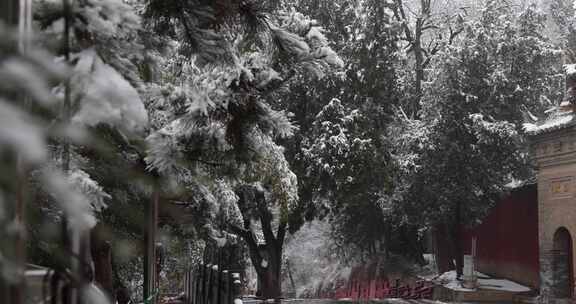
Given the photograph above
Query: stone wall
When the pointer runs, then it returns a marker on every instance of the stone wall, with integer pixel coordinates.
(556, 161)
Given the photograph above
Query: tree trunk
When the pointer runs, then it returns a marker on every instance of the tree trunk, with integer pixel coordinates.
(457, 240)
(267, 259)
(121, 292)
(419, 57)
(387, 240)
(416, 246)
(269, 270)
(442, 248)
(291, 279)
(150, 245)
(102, 256)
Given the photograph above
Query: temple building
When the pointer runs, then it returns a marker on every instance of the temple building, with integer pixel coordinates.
(553, 143)
(554, 146)
(528, 236)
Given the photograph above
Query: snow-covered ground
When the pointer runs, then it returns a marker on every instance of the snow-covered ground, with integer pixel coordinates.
(344, 301)
(448, 280)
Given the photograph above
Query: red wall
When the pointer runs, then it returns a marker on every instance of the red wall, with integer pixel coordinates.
(507, 247)
(507, 239)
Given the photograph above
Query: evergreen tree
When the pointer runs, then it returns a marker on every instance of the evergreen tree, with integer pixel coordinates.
(563, 15)
(217, 130)
(366, 37)
(468, 145)
(351, 176)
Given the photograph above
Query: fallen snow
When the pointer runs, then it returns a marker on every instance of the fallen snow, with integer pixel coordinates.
(503, 285)
(448, 280)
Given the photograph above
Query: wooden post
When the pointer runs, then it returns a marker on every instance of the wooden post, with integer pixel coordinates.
(192, 299)
(221, 298)
(236, 284)
(9, 16)
(193, 285)
(150, 241)
(9, 12)
(215, 284)
(230, 288)
(210, 285)
(202, 278)
(207, 277)
(225, 299)
(199, 284)
(18, 14)
(159, 254)
(187, 286)
(19, 288)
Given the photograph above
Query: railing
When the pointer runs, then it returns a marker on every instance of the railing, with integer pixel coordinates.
(381, 289)
(49, 286)
(206, 284)
(46, 286)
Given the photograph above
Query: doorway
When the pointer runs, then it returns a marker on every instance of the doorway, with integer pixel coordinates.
(562, 264)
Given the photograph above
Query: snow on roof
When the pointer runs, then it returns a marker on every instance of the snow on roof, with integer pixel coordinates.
(514, 183)
(555, 121)
(448, 280)
(519, 183)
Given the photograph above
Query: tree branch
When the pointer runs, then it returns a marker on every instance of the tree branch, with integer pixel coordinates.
(401, 16)
(281, 234)
(265, 217)
(245, 234)
(253, 249)
(427, 27)
(454, 34)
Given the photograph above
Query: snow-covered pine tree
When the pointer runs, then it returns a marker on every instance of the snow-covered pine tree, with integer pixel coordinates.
(215, 126)
(105, 86)
(351, 175)
(366, 36)
(563, 15)
(31, 121)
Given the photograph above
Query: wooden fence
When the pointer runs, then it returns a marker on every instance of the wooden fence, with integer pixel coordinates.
(381, 289)
(206, 284)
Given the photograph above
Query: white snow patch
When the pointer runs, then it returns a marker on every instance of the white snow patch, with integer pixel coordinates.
(94, 295)
(503, 285)
(448, 280)
(515, 183)
(570, 69)
(315, 33)
(19, 131)
(553, 122)
(105, 95)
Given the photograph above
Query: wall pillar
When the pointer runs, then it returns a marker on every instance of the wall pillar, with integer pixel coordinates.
(546, 275)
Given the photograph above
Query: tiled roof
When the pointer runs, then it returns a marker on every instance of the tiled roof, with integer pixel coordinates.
(557, 120)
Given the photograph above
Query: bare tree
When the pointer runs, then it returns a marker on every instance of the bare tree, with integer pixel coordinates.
(426, 33)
